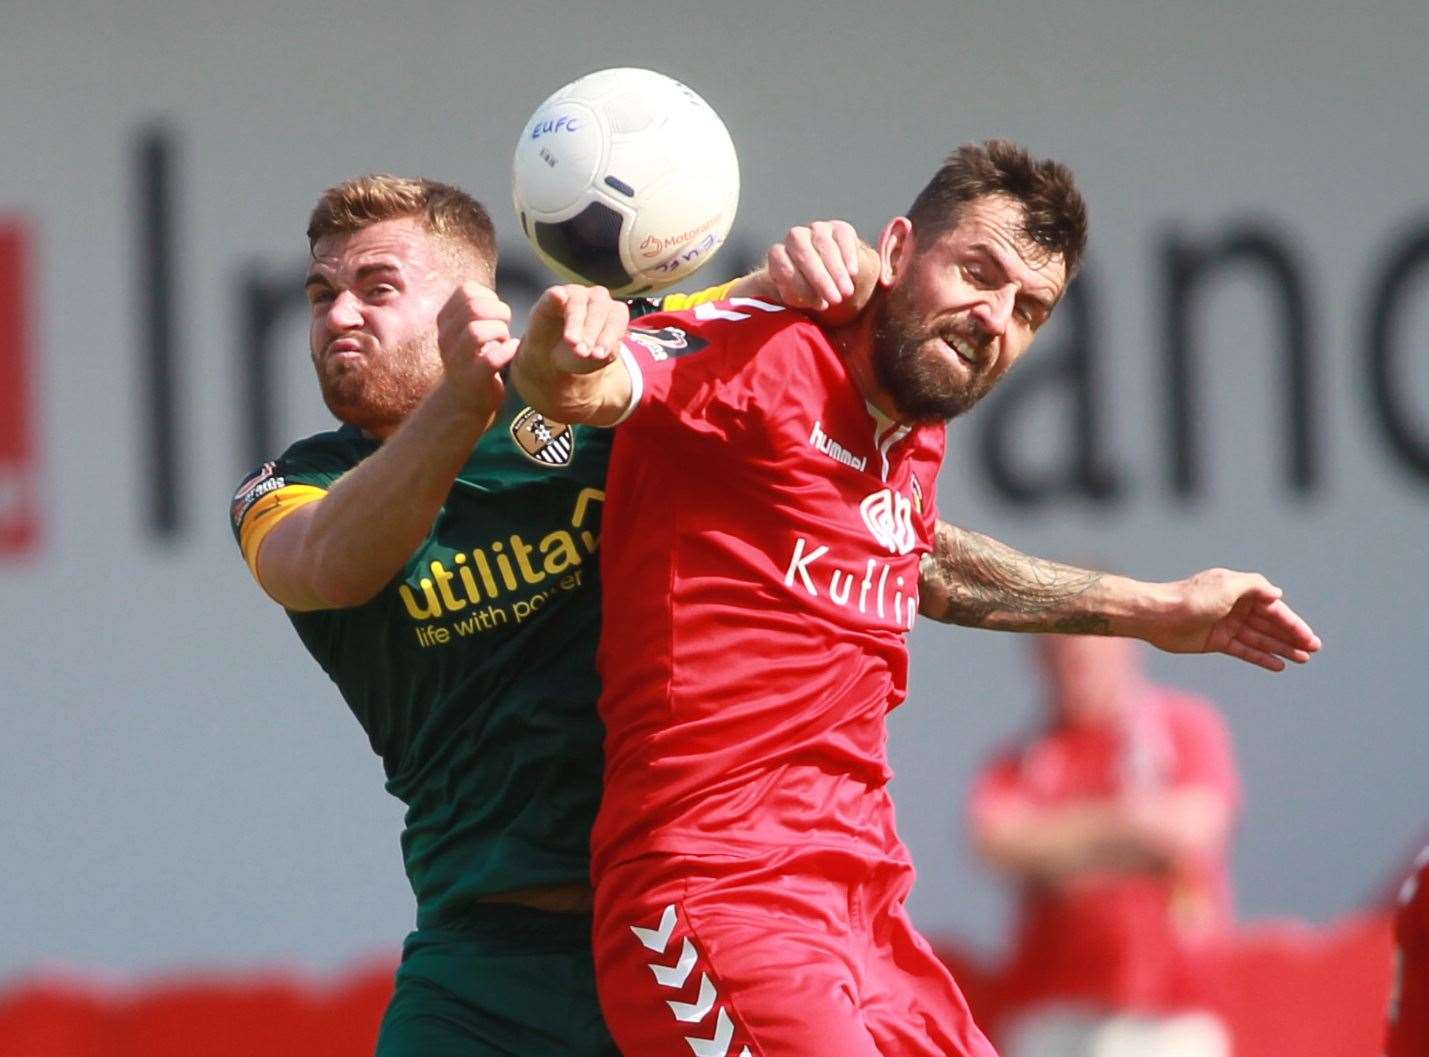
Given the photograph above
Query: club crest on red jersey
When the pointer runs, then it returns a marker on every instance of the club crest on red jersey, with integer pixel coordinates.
(541, 440)
(889, 517)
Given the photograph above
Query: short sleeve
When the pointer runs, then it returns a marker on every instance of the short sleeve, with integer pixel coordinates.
(276, 489)
(711, 369)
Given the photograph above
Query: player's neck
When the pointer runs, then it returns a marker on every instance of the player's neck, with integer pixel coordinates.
(854, 342)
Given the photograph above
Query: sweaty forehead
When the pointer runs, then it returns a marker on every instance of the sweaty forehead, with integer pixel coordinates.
(404, 243)
(997, 224)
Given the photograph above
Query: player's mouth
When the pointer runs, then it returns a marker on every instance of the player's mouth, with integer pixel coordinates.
(344, 351)
(970, 354)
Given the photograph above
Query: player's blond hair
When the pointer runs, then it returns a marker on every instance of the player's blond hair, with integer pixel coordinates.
(445, 211)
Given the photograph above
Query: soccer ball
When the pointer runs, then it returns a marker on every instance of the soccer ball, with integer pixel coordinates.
(626, 179)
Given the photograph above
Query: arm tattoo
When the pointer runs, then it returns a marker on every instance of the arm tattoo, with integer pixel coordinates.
(974, 580)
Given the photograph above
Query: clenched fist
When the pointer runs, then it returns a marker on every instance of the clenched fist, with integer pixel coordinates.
(474, 336)
(580, 325)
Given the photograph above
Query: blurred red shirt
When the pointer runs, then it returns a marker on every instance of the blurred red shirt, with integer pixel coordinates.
(1118, 940)
(1408, 1030)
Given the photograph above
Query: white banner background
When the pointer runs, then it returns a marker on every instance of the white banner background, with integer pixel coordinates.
(182, 786)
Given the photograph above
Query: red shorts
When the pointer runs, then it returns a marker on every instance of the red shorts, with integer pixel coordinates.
(772, 959)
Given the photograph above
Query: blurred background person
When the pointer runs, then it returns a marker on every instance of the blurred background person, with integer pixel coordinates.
(1407, 1033)
(1114, 822)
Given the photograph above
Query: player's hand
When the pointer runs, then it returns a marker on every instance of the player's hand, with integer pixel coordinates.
(474, 336)
(822, 267)
(1240, 614)
(580, 325)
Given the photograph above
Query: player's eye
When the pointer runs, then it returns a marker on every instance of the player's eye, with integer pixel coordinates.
(978, 273)
(318, 296)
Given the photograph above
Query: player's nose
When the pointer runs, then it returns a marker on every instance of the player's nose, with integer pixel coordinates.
(344, 312)
(995, 311)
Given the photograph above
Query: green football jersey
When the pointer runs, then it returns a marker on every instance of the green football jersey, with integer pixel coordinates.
(473, 671)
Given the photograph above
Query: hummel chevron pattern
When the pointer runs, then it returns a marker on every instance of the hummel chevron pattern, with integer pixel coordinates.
(658, 940)
(676, 975)
(696, 1011)
(655, 939)
(719, 1045)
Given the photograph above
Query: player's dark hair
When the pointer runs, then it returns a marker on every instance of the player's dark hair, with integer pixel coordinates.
(1056, 215)
(444, 210)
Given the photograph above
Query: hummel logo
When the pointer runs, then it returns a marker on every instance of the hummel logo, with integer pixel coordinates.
(834, 450)
(888, 516)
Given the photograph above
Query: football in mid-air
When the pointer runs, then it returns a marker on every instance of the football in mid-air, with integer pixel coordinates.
(626, 179)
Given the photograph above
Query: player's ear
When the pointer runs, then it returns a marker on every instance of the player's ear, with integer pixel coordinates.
(895, 250)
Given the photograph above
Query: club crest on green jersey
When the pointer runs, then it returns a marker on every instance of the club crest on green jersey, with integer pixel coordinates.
(541, 440)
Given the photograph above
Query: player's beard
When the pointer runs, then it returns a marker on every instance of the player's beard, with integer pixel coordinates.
(383, 389)
(914, 371)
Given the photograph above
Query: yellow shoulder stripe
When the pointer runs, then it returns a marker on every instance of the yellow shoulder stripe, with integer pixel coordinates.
(264, 515)
(680, 302)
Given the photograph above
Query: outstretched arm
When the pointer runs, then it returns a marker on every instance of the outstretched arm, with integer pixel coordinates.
(568, 365)
(973, 580)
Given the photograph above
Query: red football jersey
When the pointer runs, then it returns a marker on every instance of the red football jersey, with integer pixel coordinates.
(1408, 1033)
(761, 549)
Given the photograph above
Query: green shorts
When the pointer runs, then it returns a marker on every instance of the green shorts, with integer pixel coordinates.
(507, 982)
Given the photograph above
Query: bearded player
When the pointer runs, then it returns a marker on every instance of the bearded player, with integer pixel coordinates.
(436, 555)
(772, 489)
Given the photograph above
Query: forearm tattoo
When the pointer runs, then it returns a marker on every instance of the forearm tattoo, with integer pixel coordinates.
(974, 580)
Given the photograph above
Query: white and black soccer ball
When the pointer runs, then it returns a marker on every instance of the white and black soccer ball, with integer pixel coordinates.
(626, 179)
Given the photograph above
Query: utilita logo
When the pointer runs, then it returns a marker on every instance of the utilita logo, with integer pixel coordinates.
(19, 515)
